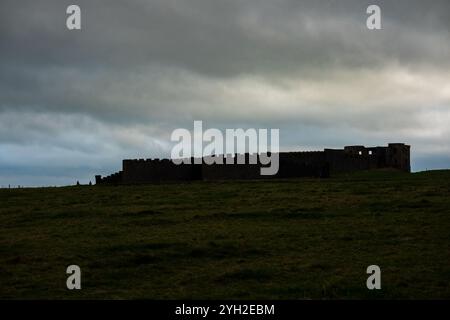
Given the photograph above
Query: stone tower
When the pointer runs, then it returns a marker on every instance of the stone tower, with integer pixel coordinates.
(398, 156)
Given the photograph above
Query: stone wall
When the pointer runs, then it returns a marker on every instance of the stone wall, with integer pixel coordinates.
(291, 165)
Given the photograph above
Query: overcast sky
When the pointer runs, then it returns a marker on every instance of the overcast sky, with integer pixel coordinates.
(75, 103)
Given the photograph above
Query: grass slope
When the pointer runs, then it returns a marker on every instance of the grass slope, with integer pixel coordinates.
(291, 239)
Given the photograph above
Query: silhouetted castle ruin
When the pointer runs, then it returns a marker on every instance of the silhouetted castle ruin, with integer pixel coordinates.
(291, 165)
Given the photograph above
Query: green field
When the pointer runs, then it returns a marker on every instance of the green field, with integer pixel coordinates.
(290, 239)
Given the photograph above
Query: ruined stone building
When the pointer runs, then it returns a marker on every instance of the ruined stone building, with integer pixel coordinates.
(291, 165)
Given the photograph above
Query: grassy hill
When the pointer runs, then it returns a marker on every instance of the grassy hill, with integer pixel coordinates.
(290, 239)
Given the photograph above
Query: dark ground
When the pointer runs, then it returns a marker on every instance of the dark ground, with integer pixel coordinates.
(291, 239)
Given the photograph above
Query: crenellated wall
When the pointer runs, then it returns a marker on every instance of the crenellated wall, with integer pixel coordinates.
(142, 171)
(291, 165)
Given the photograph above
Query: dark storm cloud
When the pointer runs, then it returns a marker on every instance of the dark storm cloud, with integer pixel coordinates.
(223, 37)
(139, 69)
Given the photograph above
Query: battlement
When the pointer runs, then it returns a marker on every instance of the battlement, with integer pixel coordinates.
(291, 164)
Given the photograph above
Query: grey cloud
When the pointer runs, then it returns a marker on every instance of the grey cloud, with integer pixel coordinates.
(224, 38)
(140, 69)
